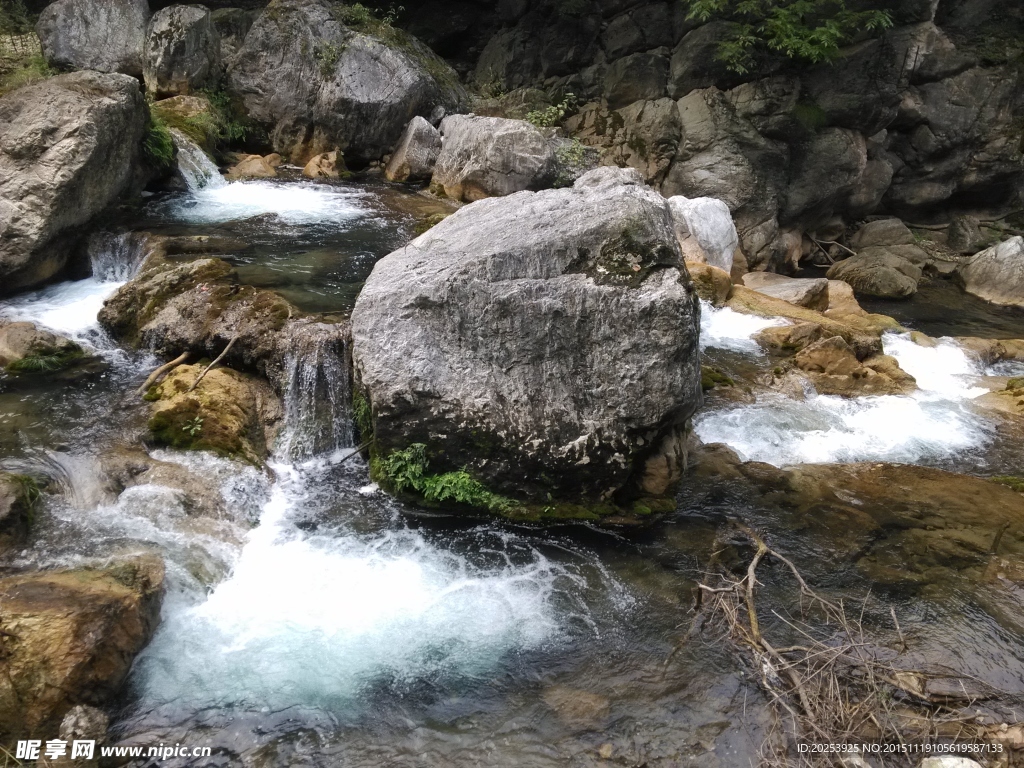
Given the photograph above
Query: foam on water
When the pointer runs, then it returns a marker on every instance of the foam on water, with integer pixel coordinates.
(66, 308)
(934, 423)
(313, 620)
(725, 328)
(303, 203)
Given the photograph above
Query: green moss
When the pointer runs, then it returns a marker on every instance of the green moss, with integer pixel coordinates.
(810, 116)
(712, 377)
(405, 471)
(222, 125)
(327, 55)
(1015, 383)
(572, 161)
(427, 222)
(47, 360)
(1010, 481)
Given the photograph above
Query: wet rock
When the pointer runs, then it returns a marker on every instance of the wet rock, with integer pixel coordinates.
(491, 156)
(416, 152)
(882, 232)
(251, 167)
(711, 283)
(877, 272)
(705, 230)
(638, 77)
(193, 244)
(100, 35)
(28, 349)
(182, 51)
(1009, 400)
(861, 332)
(964, 235)
(329, 165)
(787, 339)
(69, 637)
(997, 273)
(82, 723)
(68, 148)
(832, 367)
(464, 341)
(18, 497)
(223, 414)
(804, 292)
(198, 307)
(988, 351)
(318, 84)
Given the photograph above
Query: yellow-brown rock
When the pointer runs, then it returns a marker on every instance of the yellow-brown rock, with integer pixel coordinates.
(712, 284)
(68, 637)
(327, 165)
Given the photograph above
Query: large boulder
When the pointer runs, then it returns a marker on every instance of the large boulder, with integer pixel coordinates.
(416, 153)
(102, 35)
(997, 273)
(878, 272)
(68, 148)
(545, 343)
(491, 156)
(705, 230)
(319, 85)
(68, 637)
(182, 51)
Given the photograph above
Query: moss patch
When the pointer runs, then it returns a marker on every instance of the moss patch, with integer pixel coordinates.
(1010, 481)
(712, 377)
(44, 360)
(427, 222)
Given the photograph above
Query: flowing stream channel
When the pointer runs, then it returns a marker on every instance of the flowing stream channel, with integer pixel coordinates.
(315, 621)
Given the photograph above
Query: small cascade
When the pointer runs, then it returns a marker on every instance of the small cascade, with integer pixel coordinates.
(318, 399)
(195, 167)
(115, 256)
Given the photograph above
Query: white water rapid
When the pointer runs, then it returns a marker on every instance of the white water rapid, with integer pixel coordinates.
(936, 422)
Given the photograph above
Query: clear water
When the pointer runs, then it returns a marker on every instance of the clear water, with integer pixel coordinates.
(315, 621)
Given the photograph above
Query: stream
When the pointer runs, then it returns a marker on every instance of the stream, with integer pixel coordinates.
(316, 622)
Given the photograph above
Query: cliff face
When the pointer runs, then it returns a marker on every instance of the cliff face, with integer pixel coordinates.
(922, 121)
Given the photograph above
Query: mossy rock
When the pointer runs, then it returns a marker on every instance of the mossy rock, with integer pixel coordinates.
(222, 414)
(19, 495)
(712, 377)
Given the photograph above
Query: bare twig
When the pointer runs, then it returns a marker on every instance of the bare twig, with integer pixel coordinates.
(156, 375)
(215, 361)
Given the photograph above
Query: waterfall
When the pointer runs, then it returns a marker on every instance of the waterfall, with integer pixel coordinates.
(318, 397)
(115, 256)
(195, 167)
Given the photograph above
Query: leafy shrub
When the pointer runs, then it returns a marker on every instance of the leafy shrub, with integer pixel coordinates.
(406, 470)
(549, 117)
(805, 30)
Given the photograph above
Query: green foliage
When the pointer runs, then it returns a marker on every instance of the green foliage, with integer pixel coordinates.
(15, 18)
(810, 31)
(29, 494)
(362, 415)
(215, 127)
(47, 360)
(571, 158)
(158, 146)
(31, 69)
(327, 55)
(406, 471)
(193, 426)
(551, 116)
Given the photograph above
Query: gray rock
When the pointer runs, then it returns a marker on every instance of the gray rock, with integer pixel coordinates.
(724, 157)
(414, 157)
(103, 35)
(770, 105)
(695, 62)
(964, 235)
(997, 273)
(68, 148)
(882, 232)
(491, 156)
(877, 273)
(182, 51)
(824, 173)
(639, 77)
(804, 292)
(232, 24)
(21, 340)
(547, 342)
(319, 86)
(705, 230)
